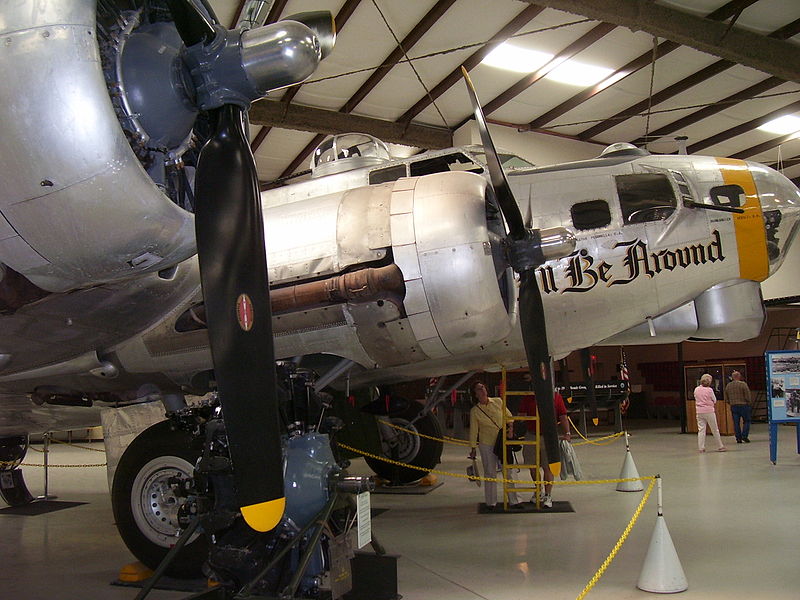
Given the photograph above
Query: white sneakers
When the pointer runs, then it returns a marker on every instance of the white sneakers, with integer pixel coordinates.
(544, 500)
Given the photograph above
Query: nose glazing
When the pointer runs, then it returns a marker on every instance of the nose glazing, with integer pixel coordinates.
(780, 204)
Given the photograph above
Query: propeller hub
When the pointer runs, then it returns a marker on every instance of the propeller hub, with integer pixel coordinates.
(537, 246)
(238, 67)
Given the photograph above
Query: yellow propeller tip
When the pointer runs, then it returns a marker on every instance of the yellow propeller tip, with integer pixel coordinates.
(555, 469)
(264, 516)
(595, 421)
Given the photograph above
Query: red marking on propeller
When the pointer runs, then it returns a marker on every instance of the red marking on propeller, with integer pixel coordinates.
(244, 312)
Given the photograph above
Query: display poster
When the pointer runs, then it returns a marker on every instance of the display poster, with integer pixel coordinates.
(364, 519)
(721, 376)
(783, 386)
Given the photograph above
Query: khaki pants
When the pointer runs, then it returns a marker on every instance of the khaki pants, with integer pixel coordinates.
(709, 419)
(491, 467)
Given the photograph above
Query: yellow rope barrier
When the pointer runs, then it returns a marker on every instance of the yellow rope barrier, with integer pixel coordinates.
(103, 450)
(619, 543)
(52, 466)
(495, 479)
(451, 440)
(9, 463)
(596, 577)
(445, 440)
(596, 442)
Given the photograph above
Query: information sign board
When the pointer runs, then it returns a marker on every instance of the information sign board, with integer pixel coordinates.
(783, 394)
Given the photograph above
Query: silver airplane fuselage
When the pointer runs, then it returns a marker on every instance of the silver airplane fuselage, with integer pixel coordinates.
(101, 297)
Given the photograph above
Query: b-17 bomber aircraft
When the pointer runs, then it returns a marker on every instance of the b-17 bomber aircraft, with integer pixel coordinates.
(139, 263)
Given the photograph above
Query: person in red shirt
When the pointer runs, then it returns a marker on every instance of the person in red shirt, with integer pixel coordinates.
(528, 408)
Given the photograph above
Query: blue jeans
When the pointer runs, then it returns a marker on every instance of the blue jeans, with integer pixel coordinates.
(741, 411)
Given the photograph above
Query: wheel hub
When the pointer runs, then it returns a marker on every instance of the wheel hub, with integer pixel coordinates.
(154, 501)
(398, 444)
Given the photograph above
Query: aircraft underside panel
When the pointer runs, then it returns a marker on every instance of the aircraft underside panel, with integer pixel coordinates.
(728, 312)
(48, 336)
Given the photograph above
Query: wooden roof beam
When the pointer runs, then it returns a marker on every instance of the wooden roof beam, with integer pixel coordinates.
(274, 113)
(730, 9)
(472, 61)
(772, 56)
(676, 88)
(743, 128)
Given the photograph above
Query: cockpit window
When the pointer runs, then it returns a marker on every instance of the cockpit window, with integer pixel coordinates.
(508, 161)
(445, 163)
(645, 197)
(727, 195)
(349, 145)
(592, 214)
(387, 174)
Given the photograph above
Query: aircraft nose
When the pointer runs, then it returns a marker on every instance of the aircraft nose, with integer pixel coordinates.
(780, 204)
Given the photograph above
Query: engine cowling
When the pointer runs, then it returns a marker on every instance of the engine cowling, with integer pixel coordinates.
(76, 207)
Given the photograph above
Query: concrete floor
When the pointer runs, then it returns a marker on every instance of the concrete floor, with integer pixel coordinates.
(732, 518)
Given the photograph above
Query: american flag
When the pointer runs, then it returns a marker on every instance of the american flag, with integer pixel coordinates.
(623, 366)
(624, 376)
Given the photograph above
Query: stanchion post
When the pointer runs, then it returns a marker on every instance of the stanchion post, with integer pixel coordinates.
(660, 506)
(662, 572)
(629, 471)
(46, 450)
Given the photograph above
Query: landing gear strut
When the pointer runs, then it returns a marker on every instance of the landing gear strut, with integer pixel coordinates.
(12, 484)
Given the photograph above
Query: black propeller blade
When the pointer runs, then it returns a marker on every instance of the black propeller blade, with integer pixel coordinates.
(525, 254)
(192, 24)
(233, 270)
(588, 379)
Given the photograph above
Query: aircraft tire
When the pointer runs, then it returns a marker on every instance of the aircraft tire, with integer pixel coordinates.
(411, 449)
(144, 506)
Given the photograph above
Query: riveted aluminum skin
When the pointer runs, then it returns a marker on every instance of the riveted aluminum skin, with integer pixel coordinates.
(670, 328)
(72, 186)
(732, 311)
(323, 235)
(441, 244)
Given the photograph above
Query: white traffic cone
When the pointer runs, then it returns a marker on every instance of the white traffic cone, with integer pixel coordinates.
(662, 572)
(629, 471)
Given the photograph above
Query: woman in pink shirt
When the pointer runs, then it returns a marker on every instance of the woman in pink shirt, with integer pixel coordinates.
(704, 400)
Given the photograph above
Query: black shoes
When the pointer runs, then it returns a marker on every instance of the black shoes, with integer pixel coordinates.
(746, 440)
(738, 441)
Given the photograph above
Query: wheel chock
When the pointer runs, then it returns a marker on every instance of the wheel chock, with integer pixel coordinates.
(429, 479)
(134, 573)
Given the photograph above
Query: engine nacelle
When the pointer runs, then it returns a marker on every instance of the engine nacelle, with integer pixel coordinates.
(76, 206)
(434, 229)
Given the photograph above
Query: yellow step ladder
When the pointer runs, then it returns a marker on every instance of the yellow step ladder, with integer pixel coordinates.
(507, 468)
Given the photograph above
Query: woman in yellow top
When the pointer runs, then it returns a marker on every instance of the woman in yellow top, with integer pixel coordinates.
(485, 420)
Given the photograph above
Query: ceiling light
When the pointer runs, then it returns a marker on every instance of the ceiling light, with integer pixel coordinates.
(782, 125)
(514, 58)
(576, 73)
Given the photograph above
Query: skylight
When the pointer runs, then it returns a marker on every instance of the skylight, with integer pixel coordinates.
(573, 72)
(782, 125)
(521, 60)
(514, 58)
